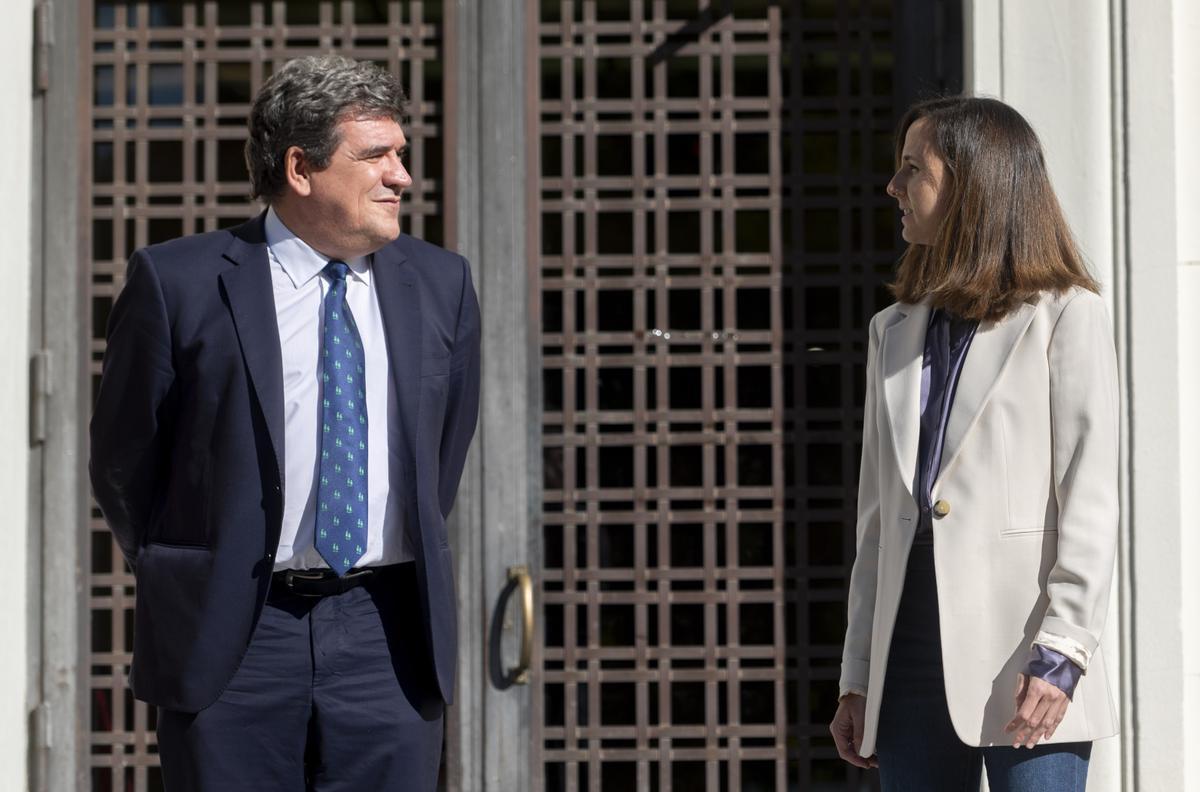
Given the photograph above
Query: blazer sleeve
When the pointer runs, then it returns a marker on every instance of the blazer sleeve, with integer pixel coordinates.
(1085, 424)
(126, 436)
(856, 652)
(462, 404)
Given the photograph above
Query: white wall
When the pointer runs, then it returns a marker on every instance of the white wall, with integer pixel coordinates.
(1152, 221)
(15, 269)
(1187, 197)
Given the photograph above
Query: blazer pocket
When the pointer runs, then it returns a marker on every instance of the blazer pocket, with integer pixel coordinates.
(178, 544)
(1028, 531)
(170, 553)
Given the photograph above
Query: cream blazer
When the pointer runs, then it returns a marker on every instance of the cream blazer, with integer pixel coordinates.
(1025, 549)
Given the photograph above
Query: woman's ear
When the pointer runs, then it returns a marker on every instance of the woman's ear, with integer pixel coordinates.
(297, 170)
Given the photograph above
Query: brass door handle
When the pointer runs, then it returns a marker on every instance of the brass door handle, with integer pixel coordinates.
(519, 578)
(502, 677)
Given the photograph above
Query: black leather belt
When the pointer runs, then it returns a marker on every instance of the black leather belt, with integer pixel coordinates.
(325, 582)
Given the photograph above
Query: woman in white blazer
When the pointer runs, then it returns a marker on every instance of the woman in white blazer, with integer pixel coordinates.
(987, 509)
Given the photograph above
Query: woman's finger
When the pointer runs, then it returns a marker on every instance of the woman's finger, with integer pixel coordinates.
(1048, 719)
(1057, 715)
(1028, 734)
(1047, 711)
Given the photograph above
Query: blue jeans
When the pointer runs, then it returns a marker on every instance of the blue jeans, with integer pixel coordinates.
(917, 747)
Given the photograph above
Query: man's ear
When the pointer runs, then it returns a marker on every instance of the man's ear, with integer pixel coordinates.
(297, 170)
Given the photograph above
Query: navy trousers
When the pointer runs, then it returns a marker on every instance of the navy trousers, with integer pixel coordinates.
(917, 746)
(335, 693)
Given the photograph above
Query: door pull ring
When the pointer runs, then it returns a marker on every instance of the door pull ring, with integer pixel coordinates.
(518, 577)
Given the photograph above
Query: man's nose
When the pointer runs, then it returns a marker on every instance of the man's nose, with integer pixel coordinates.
(397, 175)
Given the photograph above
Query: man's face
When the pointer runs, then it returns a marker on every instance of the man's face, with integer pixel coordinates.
(357, 197)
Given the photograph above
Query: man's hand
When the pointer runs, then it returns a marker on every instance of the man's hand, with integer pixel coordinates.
(1040, 708)
(847, 730)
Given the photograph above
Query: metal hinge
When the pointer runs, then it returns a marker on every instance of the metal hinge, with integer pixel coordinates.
(39, 395)
(43, 43)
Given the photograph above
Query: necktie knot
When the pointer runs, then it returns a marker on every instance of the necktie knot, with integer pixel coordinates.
(337, 270)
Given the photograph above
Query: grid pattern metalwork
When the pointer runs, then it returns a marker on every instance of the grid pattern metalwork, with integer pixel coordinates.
(843, 234)
(171, 86)
(713, 239)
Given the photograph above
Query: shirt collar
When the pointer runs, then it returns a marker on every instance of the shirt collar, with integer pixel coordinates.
(299, 261)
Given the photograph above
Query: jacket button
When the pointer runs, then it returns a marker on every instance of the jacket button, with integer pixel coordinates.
(941, 508)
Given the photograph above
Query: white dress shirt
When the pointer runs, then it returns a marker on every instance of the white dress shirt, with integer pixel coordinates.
(299, 289)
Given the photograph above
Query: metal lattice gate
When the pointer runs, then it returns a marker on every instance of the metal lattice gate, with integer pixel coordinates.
(714, 237)
(171, 86)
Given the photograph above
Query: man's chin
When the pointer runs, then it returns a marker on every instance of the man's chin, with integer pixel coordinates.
(385, 235)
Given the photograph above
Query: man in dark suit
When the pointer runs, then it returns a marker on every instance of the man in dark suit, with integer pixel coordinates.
(281, 426)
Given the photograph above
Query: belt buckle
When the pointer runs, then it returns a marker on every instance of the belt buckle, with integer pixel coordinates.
(293, 575)
(338, 584)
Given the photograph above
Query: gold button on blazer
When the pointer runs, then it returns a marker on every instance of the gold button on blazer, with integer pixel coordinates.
(1027, 552)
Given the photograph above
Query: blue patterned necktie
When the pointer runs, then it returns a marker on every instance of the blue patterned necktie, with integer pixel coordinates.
(342, 489)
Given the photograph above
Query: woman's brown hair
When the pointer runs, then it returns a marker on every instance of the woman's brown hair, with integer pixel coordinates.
(1003, 239)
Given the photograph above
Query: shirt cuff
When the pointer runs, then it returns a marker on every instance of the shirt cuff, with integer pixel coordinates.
(1074, 651)
(851, 690)
(1053, 667)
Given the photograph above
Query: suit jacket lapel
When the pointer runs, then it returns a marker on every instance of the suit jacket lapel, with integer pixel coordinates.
(250, 295)
(400, 307)
(902, 351)
(990, 352)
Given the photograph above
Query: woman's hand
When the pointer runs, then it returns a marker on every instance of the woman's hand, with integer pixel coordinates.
(1040, 708)
(847, 729)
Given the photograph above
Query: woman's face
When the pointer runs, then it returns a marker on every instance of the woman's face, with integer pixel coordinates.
(920, 186)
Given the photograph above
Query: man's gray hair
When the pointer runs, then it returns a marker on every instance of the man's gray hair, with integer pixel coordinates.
(302, 104)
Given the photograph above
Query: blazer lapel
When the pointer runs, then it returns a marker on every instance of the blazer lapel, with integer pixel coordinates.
(251, 299)
(400, 307)
(902, 351)
(987, 358)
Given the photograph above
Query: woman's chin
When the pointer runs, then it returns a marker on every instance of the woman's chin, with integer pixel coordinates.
(911, 238)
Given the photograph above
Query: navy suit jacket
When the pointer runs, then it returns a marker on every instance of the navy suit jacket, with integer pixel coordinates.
(187, 444)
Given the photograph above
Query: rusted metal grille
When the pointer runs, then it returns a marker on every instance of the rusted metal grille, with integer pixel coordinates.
(713, 239)
(171, 86)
